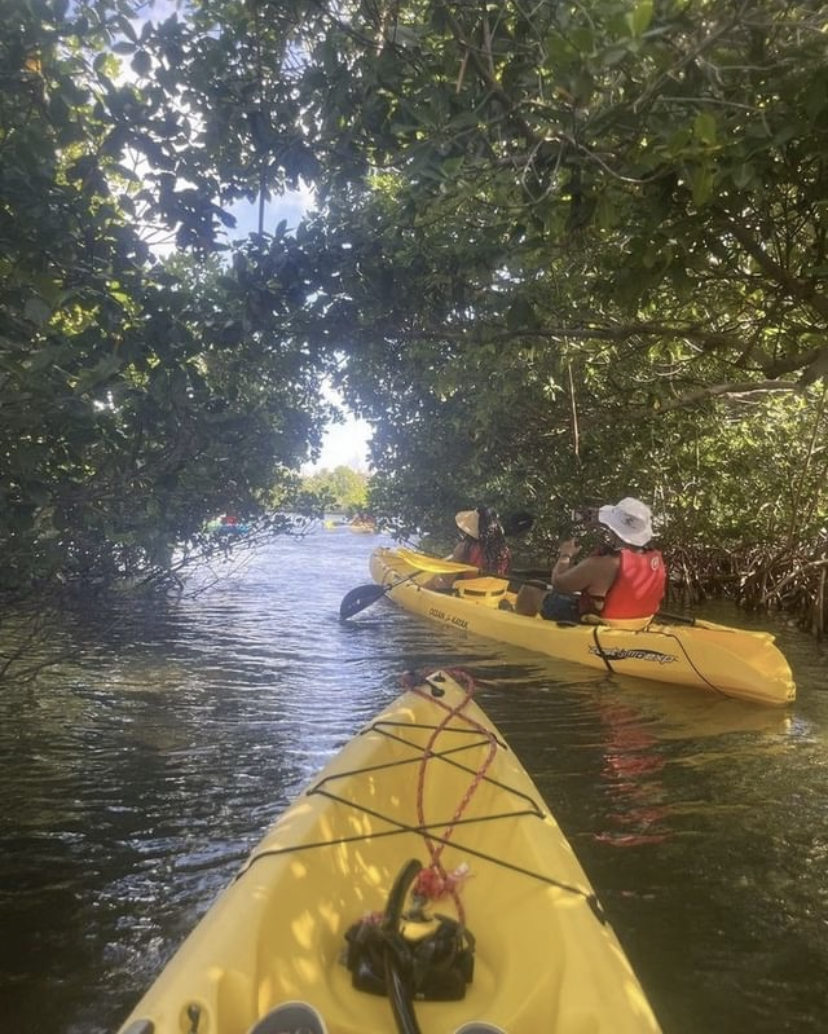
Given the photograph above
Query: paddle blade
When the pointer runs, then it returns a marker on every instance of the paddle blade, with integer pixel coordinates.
(360, 598)
(424, 562)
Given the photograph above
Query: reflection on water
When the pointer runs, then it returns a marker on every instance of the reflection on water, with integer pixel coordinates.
(140, 773)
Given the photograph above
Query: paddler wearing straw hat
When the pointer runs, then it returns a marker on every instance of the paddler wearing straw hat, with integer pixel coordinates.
(482, 544)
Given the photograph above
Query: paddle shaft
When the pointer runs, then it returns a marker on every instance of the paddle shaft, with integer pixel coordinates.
(397, 988)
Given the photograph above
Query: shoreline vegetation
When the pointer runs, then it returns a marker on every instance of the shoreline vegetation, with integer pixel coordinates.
(782, 580)
(552, 254)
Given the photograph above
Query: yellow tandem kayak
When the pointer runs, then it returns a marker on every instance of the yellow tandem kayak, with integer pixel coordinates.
(418, 885)
(732, 661)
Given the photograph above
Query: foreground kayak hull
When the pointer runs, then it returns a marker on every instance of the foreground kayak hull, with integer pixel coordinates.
(742, 664)
(545, 958)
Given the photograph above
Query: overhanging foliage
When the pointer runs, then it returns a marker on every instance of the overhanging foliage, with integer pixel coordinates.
(560, 251)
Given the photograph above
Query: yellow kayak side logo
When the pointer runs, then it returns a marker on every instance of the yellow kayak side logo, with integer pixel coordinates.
(614, 653)
(449, 619)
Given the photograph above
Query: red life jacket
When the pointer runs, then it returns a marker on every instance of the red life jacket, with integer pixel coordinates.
(476, 558)
(639, 586)
(474, 555)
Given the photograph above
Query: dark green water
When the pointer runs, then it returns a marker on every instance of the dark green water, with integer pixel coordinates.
(137, 776)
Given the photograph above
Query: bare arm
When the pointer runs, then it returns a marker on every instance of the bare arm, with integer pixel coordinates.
(595, 574)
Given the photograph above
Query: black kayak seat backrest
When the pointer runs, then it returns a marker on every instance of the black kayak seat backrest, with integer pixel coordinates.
(300, 1018)
(290, 1018)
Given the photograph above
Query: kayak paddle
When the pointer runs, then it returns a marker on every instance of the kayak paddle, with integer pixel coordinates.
(363, 596)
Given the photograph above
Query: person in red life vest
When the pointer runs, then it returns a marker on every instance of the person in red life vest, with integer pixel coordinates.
(622, 582)
(482, 544)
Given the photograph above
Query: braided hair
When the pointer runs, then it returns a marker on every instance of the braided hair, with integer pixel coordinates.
(496, 554)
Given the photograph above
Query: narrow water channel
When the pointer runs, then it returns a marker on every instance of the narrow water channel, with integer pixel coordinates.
(139, 773)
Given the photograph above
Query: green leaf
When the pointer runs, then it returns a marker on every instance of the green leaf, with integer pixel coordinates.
(743, 175)
(701, 184)
(521, 315)
(614, 56)
(45, 358)
(606, 215)
(640, 17)
(816, 97)
(102, 371)
(141, 64)
(786, 133)
(38, 492)
(704, 128)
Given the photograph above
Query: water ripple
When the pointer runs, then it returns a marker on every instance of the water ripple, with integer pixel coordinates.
(138, 776)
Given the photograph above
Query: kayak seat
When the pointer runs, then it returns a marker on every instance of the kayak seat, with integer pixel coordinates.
(489, 591)
(290, 1018)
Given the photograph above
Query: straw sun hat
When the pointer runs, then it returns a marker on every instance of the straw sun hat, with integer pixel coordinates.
(468, 521)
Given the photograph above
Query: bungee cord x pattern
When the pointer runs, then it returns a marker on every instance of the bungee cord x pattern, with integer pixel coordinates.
(434, 882)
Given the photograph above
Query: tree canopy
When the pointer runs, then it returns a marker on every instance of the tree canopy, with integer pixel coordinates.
(558, 252)
(140, 395)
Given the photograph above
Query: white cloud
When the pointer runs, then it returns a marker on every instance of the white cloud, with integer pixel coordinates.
(344, 445)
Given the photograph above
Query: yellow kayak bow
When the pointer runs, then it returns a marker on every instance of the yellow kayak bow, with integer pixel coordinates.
(420, 884)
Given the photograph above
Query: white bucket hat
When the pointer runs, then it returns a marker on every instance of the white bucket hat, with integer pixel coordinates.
(631, 520)
(468, 521)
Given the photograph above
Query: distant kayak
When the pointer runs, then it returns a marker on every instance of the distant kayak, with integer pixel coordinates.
(363, 527)
(220, 527)
(359, 527)
(696, 653)
(419, 885)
